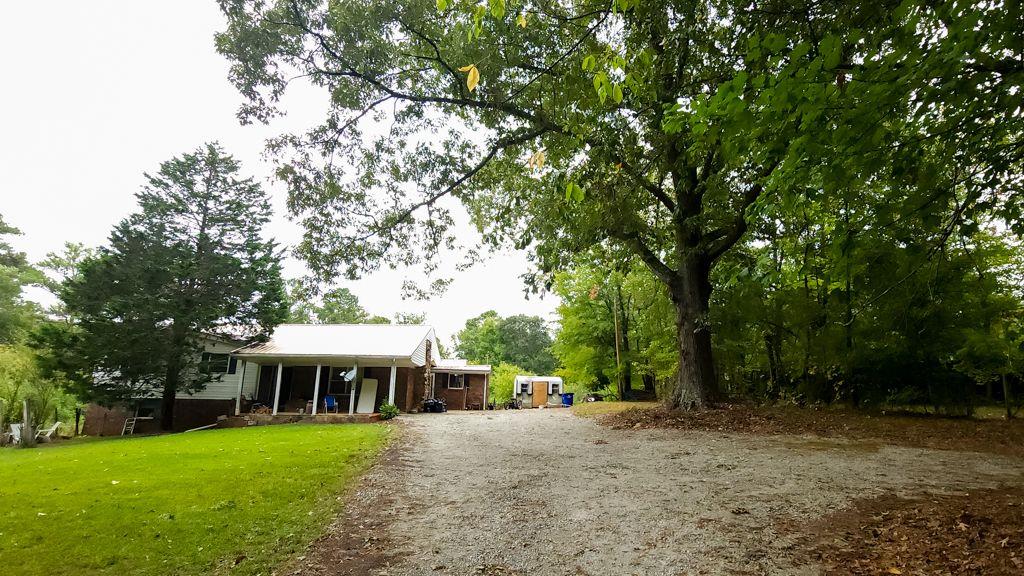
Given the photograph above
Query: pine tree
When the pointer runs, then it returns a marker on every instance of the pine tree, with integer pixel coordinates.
(191, 262)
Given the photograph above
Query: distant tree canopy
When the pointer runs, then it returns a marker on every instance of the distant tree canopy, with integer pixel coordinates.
(670, 129)
(823, 314)
(518, 340)
(795, 323)
(16, 314)
(190, 263)
(23, 368)
(336, 306)
(616, 328)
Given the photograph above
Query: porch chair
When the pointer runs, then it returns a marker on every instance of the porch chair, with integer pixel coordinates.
(330, 404)
(46, 435)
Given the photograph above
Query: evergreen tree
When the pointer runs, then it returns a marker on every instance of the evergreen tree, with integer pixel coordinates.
(191, 262)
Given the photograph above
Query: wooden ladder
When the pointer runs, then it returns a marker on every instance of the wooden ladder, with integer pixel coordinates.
(129, 426)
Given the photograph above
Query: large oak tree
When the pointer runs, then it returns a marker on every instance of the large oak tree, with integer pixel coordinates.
(665, 127)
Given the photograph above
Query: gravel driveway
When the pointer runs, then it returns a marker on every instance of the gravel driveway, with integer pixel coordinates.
(543, 492)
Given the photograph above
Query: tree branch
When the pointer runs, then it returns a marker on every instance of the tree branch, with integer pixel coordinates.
(579, 42)
(727, 237)
(659, 268)
(498, 146)
(349, 72)
(457, 80)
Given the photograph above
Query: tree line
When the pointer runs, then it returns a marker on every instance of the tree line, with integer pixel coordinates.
(801, 201)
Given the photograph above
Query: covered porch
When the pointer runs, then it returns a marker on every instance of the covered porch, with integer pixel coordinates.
(319, 369)
(328, 386)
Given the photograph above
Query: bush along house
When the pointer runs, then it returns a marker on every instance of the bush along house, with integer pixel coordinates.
(326, 372)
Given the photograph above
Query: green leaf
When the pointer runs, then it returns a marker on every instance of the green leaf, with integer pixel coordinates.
(799, 51)
(589, 63)
(442, 5)
(831, 49)
(774, 42)
(573, 192)
(601, 86)
(497, 8)
(617, 94)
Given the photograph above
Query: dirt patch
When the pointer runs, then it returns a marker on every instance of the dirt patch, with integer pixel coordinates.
(962, 434)
(981, 532)
(359, 541)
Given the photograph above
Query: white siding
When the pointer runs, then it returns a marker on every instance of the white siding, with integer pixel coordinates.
(419, 355)
(226, 388)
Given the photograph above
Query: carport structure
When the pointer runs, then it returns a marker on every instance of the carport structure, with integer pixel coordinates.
(305, 368)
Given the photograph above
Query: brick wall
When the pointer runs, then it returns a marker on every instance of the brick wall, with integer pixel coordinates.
(472, 394)
(188, 413)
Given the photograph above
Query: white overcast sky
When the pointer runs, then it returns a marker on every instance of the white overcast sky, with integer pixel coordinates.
(95, 93)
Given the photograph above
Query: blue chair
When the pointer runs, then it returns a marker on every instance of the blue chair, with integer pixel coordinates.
(330, 404)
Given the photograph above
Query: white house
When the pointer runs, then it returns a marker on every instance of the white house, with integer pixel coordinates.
(315, 369)
(351, 368)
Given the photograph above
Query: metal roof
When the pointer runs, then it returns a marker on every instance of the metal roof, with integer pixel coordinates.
(403, 343)
(459, 365)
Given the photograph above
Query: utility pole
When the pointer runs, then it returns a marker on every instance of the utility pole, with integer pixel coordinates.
(618, 361)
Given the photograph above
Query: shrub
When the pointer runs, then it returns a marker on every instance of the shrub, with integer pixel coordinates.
(502, 379)
(388, 411)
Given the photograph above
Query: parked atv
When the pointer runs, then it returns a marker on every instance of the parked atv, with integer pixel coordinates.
(434, 405)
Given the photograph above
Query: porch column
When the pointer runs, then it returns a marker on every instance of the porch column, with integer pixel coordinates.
(316, 389)
(241, 382)
(391, 383)
(277, 387)
(352, 396)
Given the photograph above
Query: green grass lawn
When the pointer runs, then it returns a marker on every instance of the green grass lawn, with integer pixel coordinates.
(179, 504)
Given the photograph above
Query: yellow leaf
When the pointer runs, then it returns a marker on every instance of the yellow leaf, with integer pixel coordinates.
(895, 571)
(521, 20)
(536, 160)
(473, 78)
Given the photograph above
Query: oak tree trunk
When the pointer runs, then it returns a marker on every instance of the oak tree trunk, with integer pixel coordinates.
(696, 384)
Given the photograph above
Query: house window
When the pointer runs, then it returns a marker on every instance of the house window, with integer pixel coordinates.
(214, 363)
(456, 381)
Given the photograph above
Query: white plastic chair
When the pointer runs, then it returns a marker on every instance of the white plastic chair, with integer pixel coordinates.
(15, 434)
(46, 434)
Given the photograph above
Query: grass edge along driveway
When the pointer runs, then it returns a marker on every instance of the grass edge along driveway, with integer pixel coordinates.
(237, 500)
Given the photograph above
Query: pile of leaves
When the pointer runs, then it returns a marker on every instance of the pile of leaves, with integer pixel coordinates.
(965, 434)
(967, 534)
